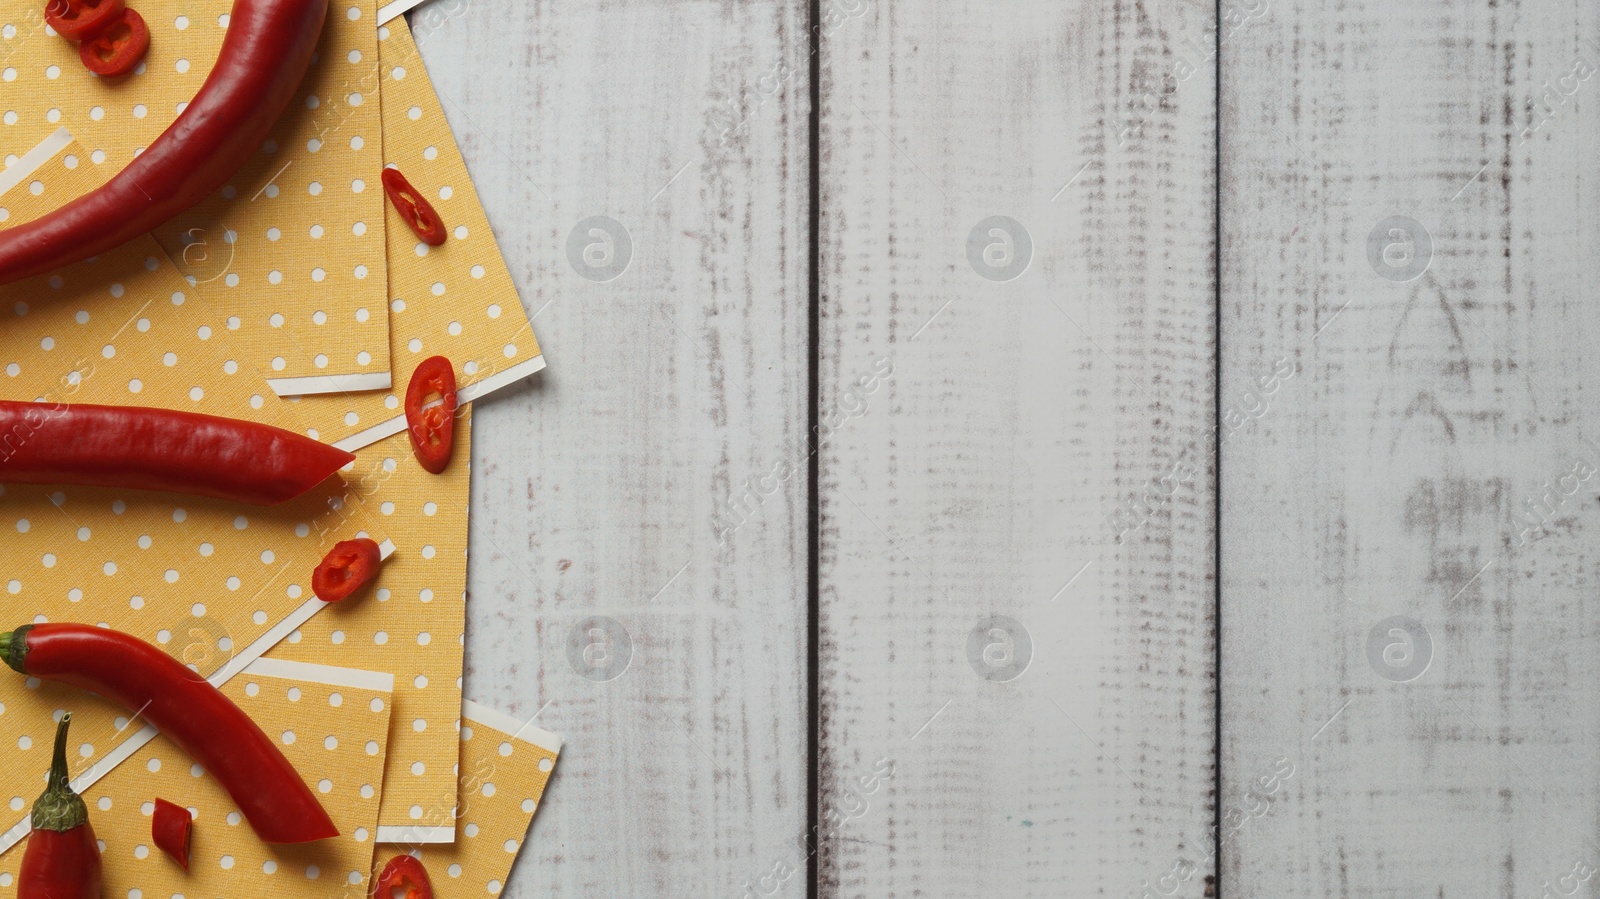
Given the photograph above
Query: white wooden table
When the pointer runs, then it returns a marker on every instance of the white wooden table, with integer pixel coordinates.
(1007, 631)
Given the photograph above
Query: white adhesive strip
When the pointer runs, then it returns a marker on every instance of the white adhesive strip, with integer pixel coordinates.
(29, 162)
(519, 730)
(480, 389)
(388, 12)
(415, 836)
(266, 641)
(315, 385)
(310, 672)
(474, 391)
(363, 439)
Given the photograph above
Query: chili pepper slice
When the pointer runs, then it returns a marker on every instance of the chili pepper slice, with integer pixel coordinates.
(158, 449)
(414, 208)
(169, 828)
(346, 568)
(187, 710)
(405, 873)
(432, 428)
(263, 60)
(62, 860)
(118, 49)
(82, 20)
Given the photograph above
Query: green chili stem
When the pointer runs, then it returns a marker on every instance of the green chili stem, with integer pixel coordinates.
(58, 808)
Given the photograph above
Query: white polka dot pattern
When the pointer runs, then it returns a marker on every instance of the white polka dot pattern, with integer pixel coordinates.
(457, 300)
(505, 765)
(226, 859)
(412, 624)
(226, 245)
(138, 562)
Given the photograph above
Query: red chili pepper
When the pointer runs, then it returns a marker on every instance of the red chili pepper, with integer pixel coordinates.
(432, 429)
(414, 208)
(62, 860)
(346, 568)
(117, 50)
(264, 58)
(169, 829)
(187, 710)
(406, 873)
(80, 20)
(159, 449)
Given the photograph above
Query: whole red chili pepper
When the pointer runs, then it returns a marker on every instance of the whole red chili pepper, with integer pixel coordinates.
(258, 72)
(159, 449)
(170, 825)
(187, 710)
(81, 20)
(346, 568)
(418, 213)
(62, 860)
(406, 874)
(119, 48)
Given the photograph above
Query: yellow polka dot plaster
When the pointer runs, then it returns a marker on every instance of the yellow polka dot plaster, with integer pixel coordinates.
(293, 245)
(207, 580)
(457, 300)
(330, 723)
(505, 766)
(412, 625)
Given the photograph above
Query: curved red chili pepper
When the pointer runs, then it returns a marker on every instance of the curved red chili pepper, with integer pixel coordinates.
(117, 50)
(258, 72)
(414, 208)
(160, 449)
(170, 824)
(187, 710)
(62, 860)
(80, 20)
(404, 873)
(432, 429)
(346, 568)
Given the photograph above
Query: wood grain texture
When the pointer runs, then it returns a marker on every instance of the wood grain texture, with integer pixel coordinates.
(597, 486)
(1012, 464)
(1431, 457)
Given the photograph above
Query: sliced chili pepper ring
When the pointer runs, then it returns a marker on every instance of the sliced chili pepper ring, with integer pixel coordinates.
(82, 20)
(169, 828)
(346, 568)
(406, 874)
(432, 427)
(414, 208)
(118, 50)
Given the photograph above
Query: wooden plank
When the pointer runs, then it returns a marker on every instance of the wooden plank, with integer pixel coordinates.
(1407, 605)
(596, 487)
(1011, 464)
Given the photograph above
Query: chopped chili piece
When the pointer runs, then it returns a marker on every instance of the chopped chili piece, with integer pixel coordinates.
(187, 710)
(117, 50)
(346, 569)
(432, 427)
(62, 860)
(414, 208)
(169, 827)
(406, 874)
(82, 20)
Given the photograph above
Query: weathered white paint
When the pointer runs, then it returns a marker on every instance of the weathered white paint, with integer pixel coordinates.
(595, 485)
(1390, 475)
(1021, 420)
